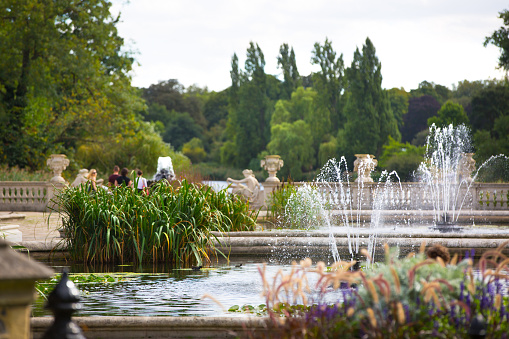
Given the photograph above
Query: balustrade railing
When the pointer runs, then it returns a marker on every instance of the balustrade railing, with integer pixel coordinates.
(26, 196)
(414, 196)
(36, 195)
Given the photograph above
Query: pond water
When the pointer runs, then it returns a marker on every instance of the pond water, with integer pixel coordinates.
(176, 293)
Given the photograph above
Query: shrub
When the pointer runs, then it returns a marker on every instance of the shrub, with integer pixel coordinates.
(277, 202)
(414, 297)
(17, 174)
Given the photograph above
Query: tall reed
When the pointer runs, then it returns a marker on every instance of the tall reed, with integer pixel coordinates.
(169, 224)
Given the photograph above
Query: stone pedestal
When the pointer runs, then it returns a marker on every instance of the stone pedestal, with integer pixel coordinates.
(272, 164)
(57, 163)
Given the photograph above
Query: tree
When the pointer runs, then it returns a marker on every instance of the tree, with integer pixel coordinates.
(181, 128)
(420, 109)
(500, 38)
(172, 95)
(329, 82)
(398, 98)
(370, 120)
(286, 61)
(194, 150)
(248, 127)
(439, 92)
(402, 158)
(63, 77)
(489, 104)
(450, 113)
(292, 141)
(304, 106)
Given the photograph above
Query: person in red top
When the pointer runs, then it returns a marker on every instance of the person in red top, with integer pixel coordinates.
(113, 178)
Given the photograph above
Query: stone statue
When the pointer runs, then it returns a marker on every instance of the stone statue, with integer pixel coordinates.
(81, 178)
(364, 165)
(466, 165)
(248, 187)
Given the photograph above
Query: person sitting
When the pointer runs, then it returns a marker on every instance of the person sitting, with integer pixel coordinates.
(113, 178)
(123, 179)
(92, 180)
(142, 182)
(248, 187)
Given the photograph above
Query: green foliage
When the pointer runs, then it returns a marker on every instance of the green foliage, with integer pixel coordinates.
(304, 105)
(180, 129)
(293, 142)
(329, 82)
(248, 127)
(169, 224)
(399, 103)
(286, 61)
(249, 309)
(500, 38)
(370, 120)
(439, 92)
(134, 150)
(44, 287)
(450, 113)
(327, 150)
(17, 174)
(194, 150)
(277, 202)
(64, 79)
(403, 158)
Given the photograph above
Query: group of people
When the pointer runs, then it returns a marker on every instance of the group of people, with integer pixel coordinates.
(118, 178)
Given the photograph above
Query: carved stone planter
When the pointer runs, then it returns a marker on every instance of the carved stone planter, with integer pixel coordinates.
(363, 165)
(272, 164)
(57, 163)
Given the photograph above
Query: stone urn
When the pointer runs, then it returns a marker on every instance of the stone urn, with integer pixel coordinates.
(57, 163)
(363, 165)
(466, 165)
(272, 164)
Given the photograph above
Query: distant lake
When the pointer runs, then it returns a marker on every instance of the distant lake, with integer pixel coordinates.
(219, 185)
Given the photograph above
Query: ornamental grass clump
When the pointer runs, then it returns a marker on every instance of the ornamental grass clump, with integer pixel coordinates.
(171, 225)
(413, 297)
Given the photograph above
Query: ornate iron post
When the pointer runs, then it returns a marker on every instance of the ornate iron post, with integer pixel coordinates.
(63, 301)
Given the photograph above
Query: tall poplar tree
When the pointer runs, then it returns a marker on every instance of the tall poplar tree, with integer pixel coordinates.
(286, 61)
(370, 120)
(329, 82)
(249, 116)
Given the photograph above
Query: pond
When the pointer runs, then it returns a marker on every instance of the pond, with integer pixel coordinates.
(179, 292)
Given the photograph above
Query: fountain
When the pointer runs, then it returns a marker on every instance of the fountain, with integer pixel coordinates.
(348, 216)
(341, 216)
(443, 173)
(164, 169)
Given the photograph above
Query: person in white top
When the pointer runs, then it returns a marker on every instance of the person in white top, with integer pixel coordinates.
(142, 182)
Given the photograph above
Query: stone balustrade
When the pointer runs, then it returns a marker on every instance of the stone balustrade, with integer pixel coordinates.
(26, 196)
(35, 195)
(413, 196)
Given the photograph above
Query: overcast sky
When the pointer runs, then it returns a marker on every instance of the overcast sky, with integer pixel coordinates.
(439, 41)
